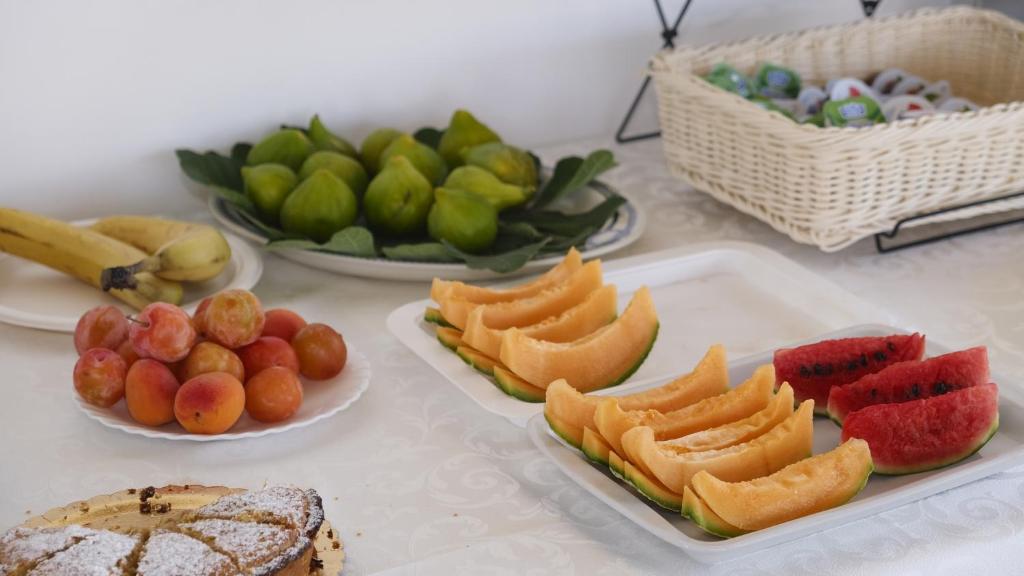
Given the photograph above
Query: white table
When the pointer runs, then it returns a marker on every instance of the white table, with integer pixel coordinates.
(422, 481)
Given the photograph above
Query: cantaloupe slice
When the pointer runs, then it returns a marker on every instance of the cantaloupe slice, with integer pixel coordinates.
(808, 486)
(433, 315)
(450, 338)
(788, 442)
(652, 489)
(738, 432)
(573, 436)
(525, 311)
(617, 466)
(594, 447)
(709, 378)
(697, 510)
(596, 310)
(515, 386)
(604, 358)
(747, 398)
(443, 289)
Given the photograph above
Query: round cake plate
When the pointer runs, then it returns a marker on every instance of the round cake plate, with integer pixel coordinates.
(320, 400)
(35, 296)
(622, 230)
(119, 512)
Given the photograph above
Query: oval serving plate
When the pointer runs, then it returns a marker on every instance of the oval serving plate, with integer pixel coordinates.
(624, 228)
(320, 401)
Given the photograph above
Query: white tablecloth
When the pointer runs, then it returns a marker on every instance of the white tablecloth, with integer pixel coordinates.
(422, 481)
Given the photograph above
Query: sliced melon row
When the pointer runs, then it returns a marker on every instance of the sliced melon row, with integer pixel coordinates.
(562, 325)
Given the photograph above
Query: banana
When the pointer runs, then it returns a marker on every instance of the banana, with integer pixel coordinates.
(84, 254)
(183, 251)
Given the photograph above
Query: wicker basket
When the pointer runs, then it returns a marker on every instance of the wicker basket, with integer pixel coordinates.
(832, 186)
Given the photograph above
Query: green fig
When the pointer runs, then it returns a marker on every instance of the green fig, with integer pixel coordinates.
(423, 157)
(324, 139)
(320, 206)
(464, 131)
(268, 185)
(464, 219)
(510, 164)
(398, 199)
(289, 147)
(349, 170)
(374, 144)
(483, 183)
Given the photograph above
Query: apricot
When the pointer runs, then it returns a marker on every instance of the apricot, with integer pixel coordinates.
(128, 353)
(210, 403)
(233, 318)
(322, 352)
(101, 327)
(99, 377)
(283, 324)
(210, 357)
(197, 318)
(162, 331)
(273, 394)
(149, 391)
(267, 352)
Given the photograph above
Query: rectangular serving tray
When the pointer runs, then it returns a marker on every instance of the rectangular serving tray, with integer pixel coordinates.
(741, 295)
(1004, 450)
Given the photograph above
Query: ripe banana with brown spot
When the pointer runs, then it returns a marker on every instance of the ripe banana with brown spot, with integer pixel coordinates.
(83, 254)
(183, 251)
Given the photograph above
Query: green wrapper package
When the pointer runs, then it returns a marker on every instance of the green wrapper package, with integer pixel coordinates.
(855, 112)
(728, 78)
(777, 82)
(770, 106)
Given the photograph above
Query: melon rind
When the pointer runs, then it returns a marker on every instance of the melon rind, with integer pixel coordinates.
(705, 518)
(515, 386)
(450, 338)
(806, 487)
(709, 378)
(594, 447)
(571, 435)
(481, 362)
(434, 316)
(617, 465)
(651, 489)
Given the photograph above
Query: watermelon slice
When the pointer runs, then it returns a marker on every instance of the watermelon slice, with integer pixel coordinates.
(813, 369)
(905, 381)
(925, 434)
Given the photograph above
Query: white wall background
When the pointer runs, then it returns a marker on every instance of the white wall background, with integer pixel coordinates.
(95, 96)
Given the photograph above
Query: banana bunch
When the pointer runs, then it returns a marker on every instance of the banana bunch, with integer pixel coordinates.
(181, 251)
(137, 259)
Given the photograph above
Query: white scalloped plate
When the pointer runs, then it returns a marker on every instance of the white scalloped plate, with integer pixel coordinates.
(35, 296)
(320, 400)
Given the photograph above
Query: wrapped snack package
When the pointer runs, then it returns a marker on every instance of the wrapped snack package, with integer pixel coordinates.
(771, 106)
(846, 88)
(906, 107)
(729, 79)
(886, 80)
(908, 85)
(810, 101)
(937, 92)
(777, 82)
(957, 105)
(856, 112)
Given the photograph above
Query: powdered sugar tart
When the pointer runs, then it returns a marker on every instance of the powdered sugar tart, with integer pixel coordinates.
(178, 531)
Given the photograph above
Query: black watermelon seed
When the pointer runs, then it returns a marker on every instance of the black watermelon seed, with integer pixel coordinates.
(805, 371)
(863, 359)
(880, 356)
(915, 391)
(874, 392)
(852, 366)
(940, 388)
(890, 346)
(819, 370)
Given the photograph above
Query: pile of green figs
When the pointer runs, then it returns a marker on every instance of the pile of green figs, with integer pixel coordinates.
(312, 183)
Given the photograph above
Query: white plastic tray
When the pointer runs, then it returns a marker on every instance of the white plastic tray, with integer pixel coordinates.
(1004, 450)
(743, 296)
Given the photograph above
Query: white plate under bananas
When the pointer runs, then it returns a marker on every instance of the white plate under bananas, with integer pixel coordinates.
(36, 296)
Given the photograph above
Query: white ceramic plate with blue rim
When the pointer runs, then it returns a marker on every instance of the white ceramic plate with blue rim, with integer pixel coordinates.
(624, 228)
